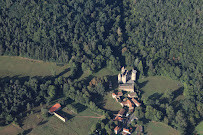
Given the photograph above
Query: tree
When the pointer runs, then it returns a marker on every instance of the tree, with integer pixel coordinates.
(140, 67)
(169, 95)
(180, 120)
(170, 112)
(100, 89)
(51, 91)
(28, 106)
(44, 112)
(177, 71)
(139, 112)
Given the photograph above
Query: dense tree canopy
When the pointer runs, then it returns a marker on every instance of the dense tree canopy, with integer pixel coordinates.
(155, 37)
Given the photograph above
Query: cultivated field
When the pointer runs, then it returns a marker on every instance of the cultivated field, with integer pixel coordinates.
(19, 66)
(157, 84)
(158, 128)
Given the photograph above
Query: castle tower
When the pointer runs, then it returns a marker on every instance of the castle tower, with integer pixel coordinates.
(124, 78)
(122, 70)
(133, 76)
(119, 78)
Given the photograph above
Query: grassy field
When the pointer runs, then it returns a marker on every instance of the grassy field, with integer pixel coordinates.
(158, 128)
(199, 128)
(80, 124)
(111, 104)
(10, 130)
(35, 124)
(18, 66)
(158, 84)
(104, 72)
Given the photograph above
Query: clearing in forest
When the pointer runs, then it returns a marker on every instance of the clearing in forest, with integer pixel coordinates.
(18, 66)
(157, 84)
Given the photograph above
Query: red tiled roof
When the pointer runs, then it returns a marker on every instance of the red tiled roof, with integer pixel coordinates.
(133, 94)
(54, 107)
(118, 118)
(129, 103)
(121, 112)
(124, 129)
(116, 128)
(136, 102)
(120, 94)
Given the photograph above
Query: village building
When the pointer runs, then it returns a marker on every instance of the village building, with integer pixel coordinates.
(120, 94)
(126, 87)
(131, 110)
(121, 112)
(127, 103)
(113, 95)
(118, 118)
(135, 102)
(126, 131)
(117, 96)
(117, 129)
(132, 95)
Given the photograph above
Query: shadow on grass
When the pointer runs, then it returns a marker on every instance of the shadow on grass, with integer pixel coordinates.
(80, 107)
(63, 72)
(65, 115)
(114, 81)
(26, 132)
(155, 96)
(42, 122)
(178, 92)
(143, 84)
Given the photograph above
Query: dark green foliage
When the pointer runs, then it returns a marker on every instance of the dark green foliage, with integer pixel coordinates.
(155, 37)
(61, 31)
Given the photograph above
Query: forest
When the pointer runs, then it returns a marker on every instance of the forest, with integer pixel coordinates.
(154, 37)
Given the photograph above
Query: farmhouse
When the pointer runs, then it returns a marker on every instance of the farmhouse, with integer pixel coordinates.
(54, 108)
(60, 117)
